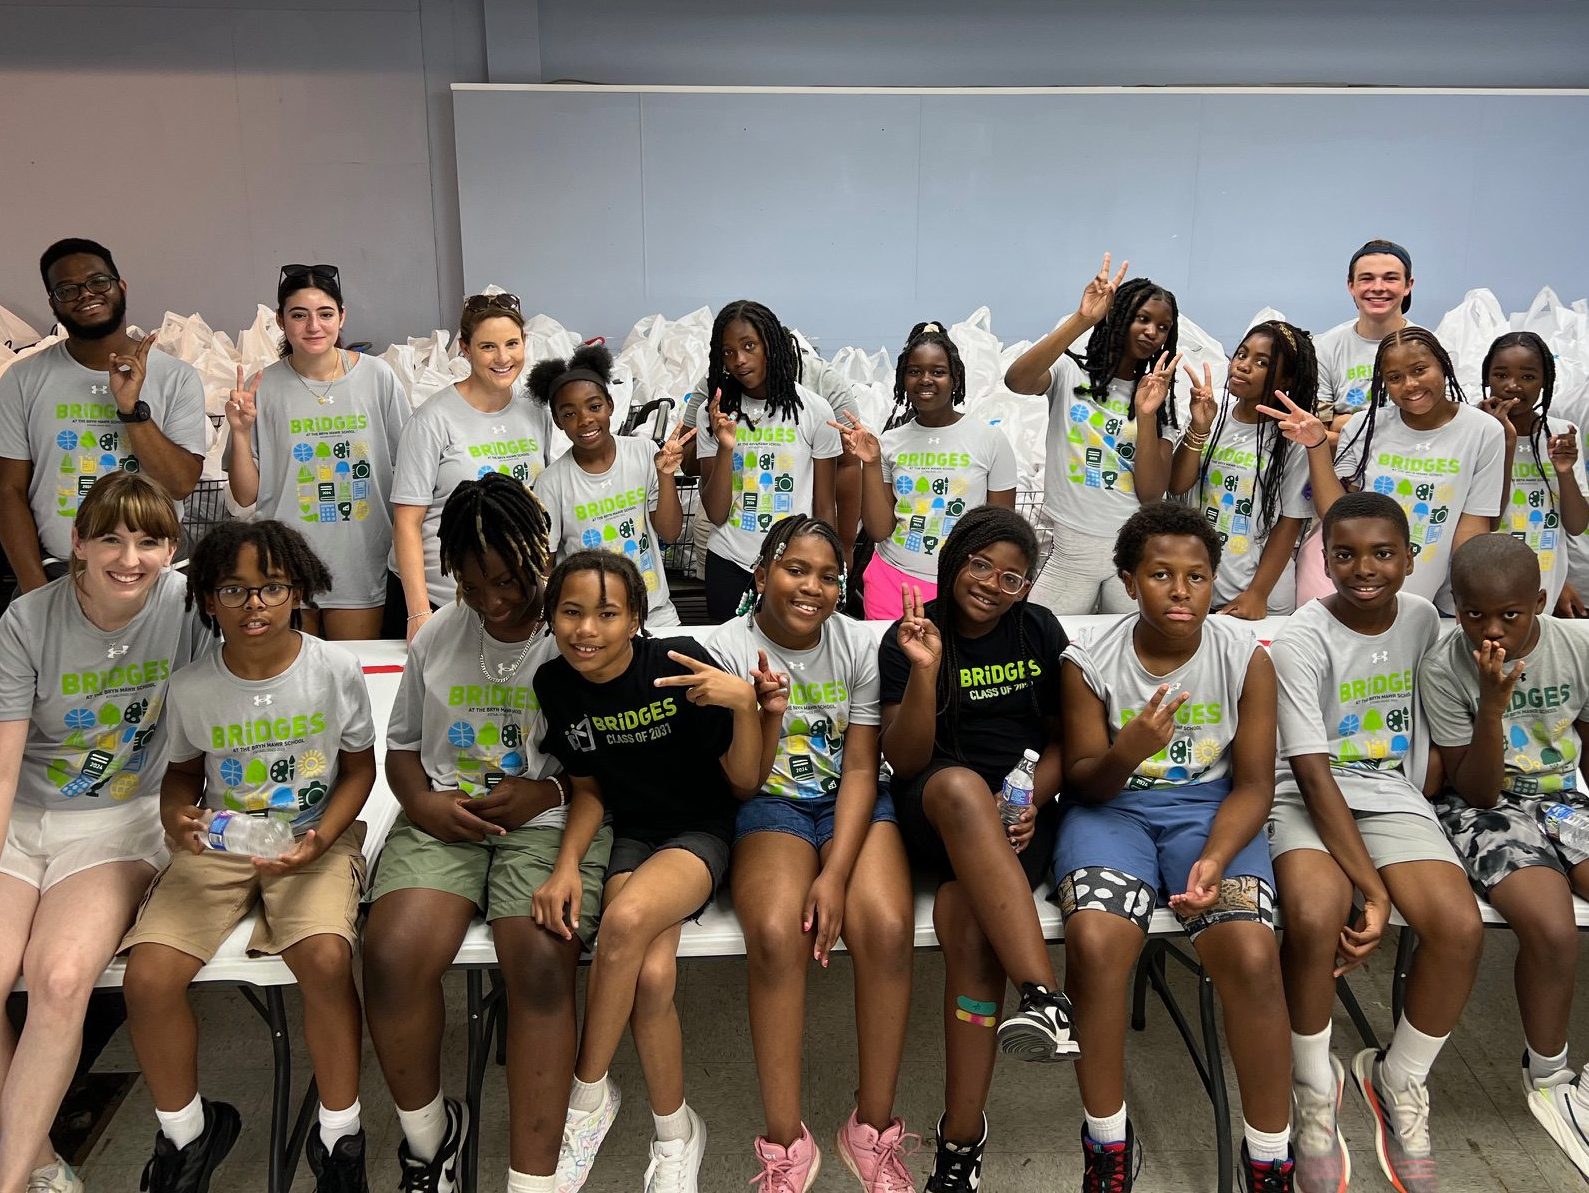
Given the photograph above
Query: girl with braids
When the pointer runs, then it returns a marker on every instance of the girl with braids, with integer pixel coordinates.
(1250, 483)
(616, 493)
(277, 723)
(969, 681)
(484, 808)
(818, 853)
(1442, 460)
(1519, 376)
(769, 451)
(631, 720)
(1107, 414)
(477, 426)
(932, 466)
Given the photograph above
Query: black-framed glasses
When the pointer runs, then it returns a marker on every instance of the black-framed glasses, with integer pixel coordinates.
(308, 273)
(1010, 583)
(235, 596)
(99, 283)
(484, 302)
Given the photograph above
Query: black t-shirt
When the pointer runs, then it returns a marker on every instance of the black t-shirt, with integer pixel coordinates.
(989, 719)
(652, 752)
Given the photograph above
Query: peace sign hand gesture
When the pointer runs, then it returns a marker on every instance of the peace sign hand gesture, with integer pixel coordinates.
(858, 441)
(127, 374)
(1296, 424)
(723, 425)
(918, 636)
(1203, 405)
(772, 687)
(706, 684)
(670, 456)
(1150, 730)
(240, 408)
(1100, 292)
(1155, 385)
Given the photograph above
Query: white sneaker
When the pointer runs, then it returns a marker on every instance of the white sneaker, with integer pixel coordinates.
(1555, 1102)
(582, 1135)
(57, 1177)
(676, 1163)
(1323, 1165)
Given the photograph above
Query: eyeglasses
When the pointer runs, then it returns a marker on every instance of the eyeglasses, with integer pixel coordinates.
(235, 596)
(99, 283)
(294, 273)
(482, 302)
(1010, 583)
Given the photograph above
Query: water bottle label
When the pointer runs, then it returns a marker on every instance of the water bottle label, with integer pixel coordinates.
(217, 830)
(1556, 813)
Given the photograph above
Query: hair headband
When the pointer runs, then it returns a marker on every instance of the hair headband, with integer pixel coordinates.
(571, 375)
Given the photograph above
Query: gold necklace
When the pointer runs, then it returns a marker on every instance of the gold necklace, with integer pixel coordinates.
(325, 398)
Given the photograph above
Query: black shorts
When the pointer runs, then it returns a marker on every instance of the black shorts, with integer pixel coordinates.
(926, 848)
(712, 850)
(726, 583)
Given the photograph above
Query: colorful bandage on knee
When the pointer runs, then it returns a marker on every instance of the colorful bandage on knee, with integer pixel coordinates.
(966, 1016)
(972, 1006)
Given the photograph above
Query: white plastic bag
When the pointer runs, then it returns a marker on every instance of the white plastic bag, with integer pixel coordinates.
(15, 332)
(1266, 315)
(1466, 331)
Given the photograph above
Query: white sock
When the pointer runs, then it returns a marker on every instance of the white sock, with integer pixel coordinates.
(673, 1127)
(1310, 1061)
(425, 1128)
(587, 1095)
(183, 1126)
(523, 1182)
(1107, 1130)
(1541, 1066)
(1410, 1056)
(339, 1124)
(1266, 1146)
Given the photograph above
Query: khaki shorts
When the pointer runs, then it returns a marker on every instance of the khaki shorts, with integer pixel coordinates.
(200, 897)
(498, 875)
(1389, 837)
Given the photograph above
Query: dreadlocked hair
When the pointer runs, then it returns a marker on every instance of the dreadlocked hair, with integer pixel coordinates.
(925, 333)
(277, 546)
(1106, 347)
(496, 513)
(1292, 360)
(594, 357)
(604, 564)
(1547, 372)
(980, 529)
(781, 354)
(1378, 397)
(776, 541)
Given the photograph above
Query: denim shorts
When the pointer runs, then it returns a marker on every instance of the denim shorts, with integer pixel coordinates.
(809, 819)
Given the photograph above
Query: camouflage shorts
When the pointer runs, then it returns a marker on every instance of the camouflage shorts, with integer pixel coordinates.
(1495, 843)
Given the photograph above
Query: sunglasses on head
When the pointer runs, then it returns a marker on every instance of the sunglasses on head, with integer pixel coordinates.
(482, 302)
(293, 273)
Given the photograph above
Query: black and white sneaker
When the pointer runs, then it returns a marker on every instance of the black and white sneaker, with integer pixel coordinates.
(188, 1170)
(1040, 1028)
(341, 1169)
(441, 1174)
(957, 1168)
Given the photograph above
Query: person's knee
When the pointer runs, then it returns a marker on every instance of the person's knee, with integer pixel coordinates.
(150, 979)
(1250, 964)
(624, 930)
(883, 931)
(957, 801)
(774, 942)
(540, 975)
(394, 966)
(654, 990)
(60, 982)
(1551, 938)
(1313, 924)
(323, 960)
(1096, 947)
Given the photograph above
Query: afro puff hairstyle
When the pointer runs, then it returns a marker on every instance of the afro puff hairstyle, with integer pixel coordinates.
(544, 375)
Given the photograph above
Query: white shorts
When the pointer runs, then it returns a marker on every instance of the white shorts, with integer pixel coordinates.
(43, 847)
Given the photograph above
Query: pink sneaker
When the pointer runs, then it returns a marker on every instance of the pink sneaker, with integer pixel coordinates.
(788, 1170)
(877, 1158)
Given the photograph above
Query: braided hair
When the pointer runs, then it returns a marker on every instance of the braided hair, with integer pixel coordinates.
(594, 357)
(604, 564)
(776, 541)
(496, 513)
(276, 545)
(1378, 397)
(1547, 371)
(980, 529)
(925, 333)
(1106, 347)
(781, 354)
(1291, 359)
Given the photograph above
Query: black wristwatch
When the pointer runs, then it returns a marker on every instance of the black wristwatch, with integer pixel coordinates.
(138, 414)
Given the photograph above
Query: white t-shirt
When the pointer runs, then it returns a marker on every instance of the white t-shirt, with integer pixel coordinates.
(1088, 482)
(1436, 477)
(447, 442)
(611, 510)
(61, 417)
(774, 467)
(1346, 366)
(1533, 509)
(1351, 696)
(325, 468)
(936, 474)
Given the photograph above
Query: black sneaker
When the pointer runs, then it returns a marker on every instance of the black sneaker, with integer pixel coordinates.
(1040, 1027)
(340, 1170)
(441, 1174)
(1267, 1176)
(188, 1170)
(957, 1168)
(1110, 1167)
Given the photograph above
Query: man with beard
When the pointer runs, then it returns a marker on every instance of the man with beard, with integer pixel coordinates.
(94, 403)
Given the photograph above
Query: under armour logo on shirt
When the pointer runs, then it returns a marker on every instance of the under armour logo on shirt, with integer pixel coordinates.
(1382, 656)
(1421, 447)
(99, 389)
(936, 439)
(116, 651)
(258, 700)
(500, 429)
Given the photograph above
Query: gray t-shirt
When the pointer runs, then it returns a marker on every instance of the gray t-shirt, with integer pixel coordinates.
(611, 510)
(93, 699)
(1350, 696)
(936, 474)
(271, 745)
(1533, 507)
(325, 467)
(471, 732)
(1346, 366)
(1205, 726)
(61, 417)
(1088, 482)
(1538, 728)
(447, 442)
(831, 686)
(816, 374)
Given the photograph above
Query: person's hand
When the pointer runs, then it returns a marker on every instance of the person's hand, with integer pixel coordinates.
(1248, 605)
(1151, 730)
(1100, 292)
(513, 802)
(772, 687)
(1495, 681)
(415, 621)
(1020, 833)
(1202, 888)
(449, 817)
(1154, 386)
(304, 850)
(858, 441)
(670, 456)
(556, 901)
(1355, 944)
(724, 428)
(824, 914)
(1563, 451)
(240, 408)
(1296, 424)
(1501, 410)
(1570, 604)
(186, 827)
(1204, 407)
(709, 685)
(127, 374)
(918, 636)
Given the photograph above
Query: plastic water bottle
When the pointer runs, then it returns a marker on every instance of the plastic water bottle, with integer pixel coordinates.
(1567, 825)
(248, 836)
(1016, 794)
